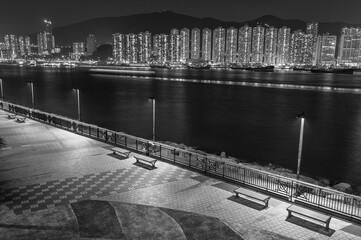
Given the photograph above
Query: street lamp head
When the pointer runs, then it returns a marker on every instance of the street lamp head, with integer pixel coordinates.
(151, 98)
(301, 115)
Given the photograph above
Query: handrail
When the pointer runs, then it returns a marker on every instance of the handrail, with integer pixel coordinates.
(345, 204)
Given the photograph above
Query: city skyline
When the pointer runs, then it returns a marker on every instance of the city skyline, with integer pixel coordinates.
(11, 21)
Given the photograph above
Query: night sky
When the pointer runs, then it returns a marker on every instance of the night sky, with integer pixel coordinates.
(25, 16)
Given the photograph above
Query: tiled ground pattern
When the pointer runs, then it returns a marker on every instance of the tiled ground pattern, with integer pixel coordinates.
(54, 193)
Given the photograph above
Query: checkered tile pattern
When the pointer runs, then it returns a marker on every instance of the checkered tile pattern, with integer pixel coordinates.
(55, 193)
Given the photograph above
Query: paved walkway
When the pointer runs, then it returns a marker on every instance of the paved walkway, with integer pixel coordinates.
(55, 184)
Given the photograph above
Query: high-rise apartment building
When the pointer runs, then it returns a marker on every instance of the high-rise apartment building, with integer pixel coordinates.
(219, 40)
(10, 44)
(78, 50)
(144, 47)
(231, 45)
(309, 51)
(312, 29)
(184, 44)
(174, 46)
(257, 45)
(283, 46)
(207, 44)
(156, 50)
(297, 45)
(326, 50)
(195, 43)
(350, 47)
(244, 44)
(131, 53)
(270, 48)
(163, 44)
(118, 48)
(48, 37)
(28, 45)
(91, 44)
(21, 49)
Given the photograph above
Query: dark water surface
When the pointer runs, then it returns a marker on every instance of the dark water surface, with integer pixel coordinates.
(248, 115)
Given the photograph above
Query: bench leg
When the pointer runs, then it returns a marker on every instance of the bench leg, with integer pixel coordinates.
(236, 194)
(327, 225)
(266, 203)
(289, 214)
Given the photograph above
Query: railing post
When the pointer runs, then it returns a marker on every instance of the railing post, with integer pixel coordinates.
(125, 141)
(174, 155)
(267, 183)
(160, 151)
(223, 168)
(190, 159)
(98, 133)
(205, 165)
(106, 136)
(115, 138)
(136, 144)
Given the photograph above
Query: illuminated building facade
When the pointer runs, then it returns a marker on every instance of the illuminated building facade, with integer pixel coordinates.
(195, 43)
(244, 44)
(131, 54)
(21, 49)
(309, 51)
(270, 49)
(312, 29)
(231, 45)
(207, 44)
(350, 47)
(144, 47)
(326, 50)
(283, 46)
(78, 50)
(10, 44)
(118, 48)
(91, 44)
(297, 44)
(257, 45)
(28, 46)
(184, 44)
(219, 39)
(175, 47)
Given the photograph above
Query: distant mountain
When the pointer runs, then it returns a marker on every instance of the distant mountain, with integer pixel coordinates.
(163, 22)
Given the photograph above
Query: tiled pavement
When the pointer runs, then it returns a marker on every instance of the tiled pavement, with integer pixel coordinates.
(44, 168)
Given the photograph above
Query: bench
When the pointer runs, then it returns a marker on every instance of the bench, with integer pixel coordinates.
(11, 116)
(20, 119)
(310, 214)
(253, 195)
(120, 151)
(146, 159)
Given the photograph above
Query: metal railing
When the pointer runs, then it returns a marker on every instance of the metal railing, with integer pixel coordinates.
(343, 204)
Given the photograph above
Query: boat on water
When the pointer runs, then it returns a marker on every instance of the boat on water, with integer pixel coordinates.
(262, 69)
(333, 70)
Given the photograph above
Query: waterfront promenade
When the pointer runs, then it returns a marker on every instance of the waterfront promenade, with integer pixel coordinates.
(55, 184)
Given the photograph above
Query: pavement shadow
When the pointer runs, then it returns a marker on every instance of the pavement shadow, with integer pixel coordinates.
(246, 202)
(310, 225)
(144, 165)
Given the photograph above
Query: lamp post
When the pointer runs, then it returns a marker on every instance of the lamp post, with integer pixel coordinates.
(302, 117)
(153, 100)
(78, 99)
(32, 94)
(2, 89)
